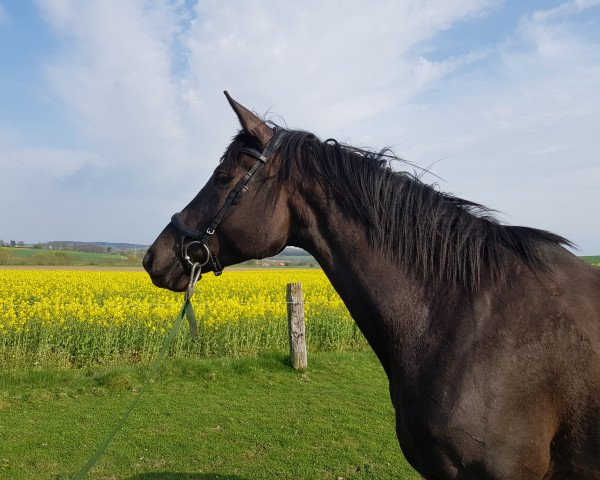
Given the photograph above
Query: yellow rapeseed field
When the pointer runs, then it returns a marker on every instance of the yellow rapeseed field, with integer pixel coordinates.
(82, 317)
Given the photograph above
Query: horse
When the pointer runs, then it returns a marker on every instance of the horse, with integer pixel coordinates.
(489, 334)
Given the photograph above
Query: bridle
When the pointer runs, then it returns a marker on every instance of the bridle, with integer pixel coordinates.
(200, 237)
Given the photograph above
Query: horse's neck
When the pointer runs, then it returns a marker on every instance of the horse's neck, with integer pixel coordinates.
(388, 305)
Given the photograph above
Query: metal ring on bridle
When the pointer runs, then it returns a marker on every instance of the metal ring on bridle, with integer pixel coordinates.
(187, 258)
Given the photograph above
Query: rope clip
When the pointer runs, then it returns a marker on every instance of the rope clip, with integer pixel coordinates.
(195, 275)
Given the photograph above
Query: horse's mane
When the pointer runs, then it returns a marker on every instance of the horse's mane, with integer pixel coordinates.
(444, 238)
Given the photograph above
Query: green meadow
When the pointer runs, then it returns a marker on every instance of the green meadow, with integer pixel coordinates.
(593, 259)
(17, 256)
(242, 419)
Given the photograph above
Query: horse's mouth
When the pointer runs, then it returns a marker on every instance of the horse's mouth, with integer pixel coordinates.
(176, 279)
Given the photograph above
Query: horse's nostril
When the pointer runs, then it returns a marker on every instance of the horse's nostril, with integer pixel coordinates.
(147, 261)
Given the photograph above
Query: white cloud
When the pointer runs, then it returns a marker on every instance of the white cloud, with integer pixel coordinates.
(45, 165)
(346, 64)
(115, 77)
(142, 82)
(37, 183)
(523, 138)
(567, 8)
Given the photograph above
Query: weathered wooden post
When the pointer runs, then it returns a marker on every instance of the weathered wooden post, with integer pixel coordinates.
(296, 328)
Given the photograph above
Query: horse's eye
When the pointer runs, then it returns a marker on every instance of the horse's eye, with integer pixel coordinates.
(222, 178)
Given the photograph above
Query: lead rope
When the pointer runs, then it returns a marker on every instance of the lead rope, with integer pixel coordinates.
(186, 311)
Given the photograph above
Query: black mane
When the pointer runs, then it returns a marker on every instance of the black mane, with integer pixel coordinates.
(440, 236)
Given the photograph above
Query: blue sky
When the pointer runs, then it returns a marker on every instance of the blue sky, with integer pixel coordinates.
(112, 114)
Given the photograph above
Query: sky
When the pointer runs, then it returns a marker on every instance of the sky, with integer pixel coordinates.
(112, 114)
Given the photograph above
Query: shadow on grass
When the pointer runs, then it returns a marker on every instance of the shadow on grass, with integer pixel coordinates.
(185, 476)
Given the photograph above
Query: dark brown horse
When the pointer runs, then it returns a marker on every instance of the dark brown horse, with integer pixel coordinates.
(489, 334)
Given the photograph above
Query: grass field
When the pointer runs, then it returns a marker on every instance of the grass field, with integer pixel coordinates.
(593, 259)
(35, 256)
(245, 415)
(214, 419)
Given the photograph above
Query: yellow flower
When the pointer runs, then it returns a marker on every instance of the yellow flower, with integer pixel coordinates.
(92, 312)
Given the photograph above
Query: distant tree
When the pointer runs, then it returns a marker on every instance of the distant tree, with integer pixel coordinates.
(20, 243)
(38, 246)
(13, 243)
(1, 243)
(108, 249)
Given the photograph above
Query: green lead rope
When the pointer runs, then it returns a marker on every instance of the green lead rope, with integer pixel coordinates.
(186, 311)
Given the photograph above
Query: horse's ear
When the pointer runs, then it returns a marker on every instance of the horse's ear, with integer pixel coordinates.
(250, 122)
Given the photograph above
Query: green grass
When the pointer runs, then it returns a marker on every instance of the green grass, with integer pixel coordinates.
(35, 256)
(79, 344)
(30, 252)
(214, 419)
(593, 259)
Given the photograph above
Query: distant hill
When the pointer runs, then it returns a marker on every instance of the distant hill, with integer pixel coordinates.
(116, 246)
(25, 256)
(112, 245)
(294, 252)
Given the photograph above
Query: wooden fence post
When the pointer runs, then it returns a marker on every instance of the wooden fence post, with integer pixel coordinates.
(296, 328)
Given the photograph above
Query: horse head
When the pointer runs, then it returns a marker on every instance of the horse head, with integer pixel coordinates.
(240, 214)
